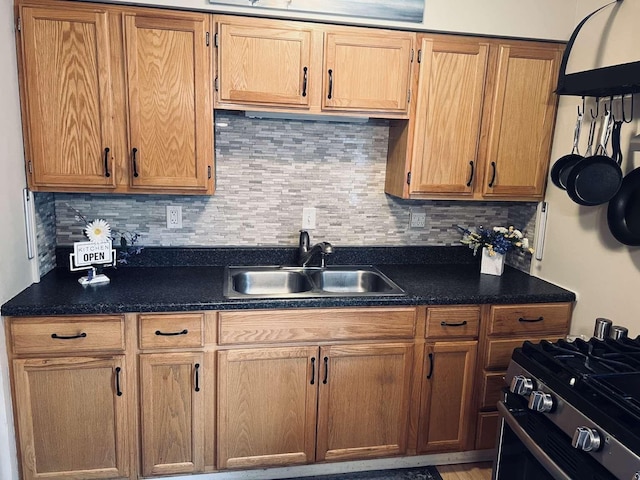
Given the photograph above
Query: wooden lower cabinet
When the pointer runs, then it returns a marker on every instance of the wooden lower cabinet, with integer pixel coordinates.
(446, 399)
(272, 401)
(172, 413)
(364, 400)
(71, 415)
(266, 406)
(504, 328)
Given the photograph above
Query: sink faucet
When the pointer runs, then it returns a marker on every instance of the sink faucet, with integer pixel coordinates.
(306, 253)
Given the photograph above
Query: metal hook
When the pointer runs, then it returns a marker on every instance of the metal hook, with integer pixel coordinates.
(580, 114)
(624, 116)
(610, 105)
(597, 109)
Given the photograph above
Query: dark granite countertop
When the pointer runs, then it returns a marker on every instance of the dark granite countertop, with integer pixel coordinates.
(179, 281)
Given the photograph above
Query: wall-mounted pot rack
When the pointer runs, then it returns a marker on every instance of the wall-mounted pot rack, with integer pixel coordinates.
(609, 81)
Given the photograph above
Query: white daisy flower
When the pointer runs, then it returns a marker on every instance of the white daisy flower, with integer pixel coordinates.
(98, 231)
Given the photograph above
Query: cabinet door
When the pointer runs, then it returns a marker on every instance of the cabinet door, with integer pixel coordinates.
(364, 401)
(449, 110)
(447, 386)
(263, 62)
(172, 413)
(521, 120)
(267, 401)
(367, 72)
(66, 97)
(72, 417)
(170, 109)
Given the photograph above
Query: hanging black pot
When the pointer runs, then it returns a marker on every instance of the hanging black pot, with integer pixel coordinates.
(562, 167)
(595, 180)
(623, 214)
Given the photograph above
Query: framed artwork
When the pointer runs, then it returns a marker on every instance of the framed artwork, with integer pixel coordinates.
(396, 10)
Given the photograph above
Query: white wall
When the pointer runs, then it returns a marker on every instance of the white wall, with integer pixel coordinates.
(543, 19)
(15, 268)
(580, 253)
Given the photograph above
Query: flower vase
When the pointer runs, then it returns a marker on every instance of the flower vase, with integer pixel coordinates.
(492, 264)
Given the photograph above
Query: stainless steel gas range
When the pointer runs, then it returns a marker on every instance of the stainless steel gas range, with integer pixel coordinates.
(571, 411)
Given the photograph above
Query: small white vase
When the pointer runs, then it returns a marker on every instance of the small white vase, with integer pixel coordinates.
(492, 265)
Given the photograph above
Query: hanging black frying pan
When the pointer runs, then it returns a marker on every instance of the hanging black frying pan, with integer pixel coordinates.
(623, 214)
(562, 167)
(595, 180)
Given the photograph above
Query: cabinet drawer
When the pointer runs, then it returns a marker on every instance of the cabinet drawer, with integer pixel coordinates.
(269, 326)
(499, 352)
(67, 334)
(174, 330)
(487, 431)
(453, 322)
(533, 318)
(492, 383)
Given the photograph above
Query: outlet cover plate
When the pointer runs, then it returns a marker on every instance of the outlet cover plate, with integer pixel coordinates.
(417, 219)
(174, 216)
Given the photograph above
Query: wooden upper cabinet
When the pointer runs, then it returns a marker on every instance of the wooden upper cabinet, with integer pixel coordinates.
(170, 109)
(263, 62)
(483, 124)
(367, 71)
(521, 120)
(66, 97)
(100, 82)
(281, 65)
(71, 414)
(448, 114)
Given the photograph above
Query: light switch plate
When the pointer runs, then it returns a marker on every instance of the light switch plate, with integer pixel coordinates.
(308, 218)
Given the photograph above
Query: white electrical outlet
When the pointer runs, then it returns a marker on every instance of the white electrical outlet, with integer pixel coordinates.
(417, 219)
(174, 216)
(308, 218)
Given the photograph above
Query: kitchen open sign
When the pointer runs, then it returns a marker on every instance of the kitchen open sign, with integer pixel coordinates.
(92, 253)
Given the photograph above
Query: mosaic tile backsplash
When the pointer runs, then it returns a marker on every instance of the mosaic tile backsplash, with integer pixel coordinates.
(267, 171)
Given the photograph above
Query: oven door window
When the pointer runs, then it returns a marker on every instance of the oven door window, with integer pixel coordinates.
(531, 447)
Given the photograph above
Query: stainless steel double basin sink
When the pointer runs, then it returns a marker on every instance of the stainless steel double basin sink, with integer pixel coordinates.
(294, 282)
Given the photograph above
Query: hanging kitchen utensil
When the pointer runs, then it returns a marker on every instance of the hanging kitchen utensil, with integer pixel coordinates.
(562, 167)
(623, 214)
(595, 180)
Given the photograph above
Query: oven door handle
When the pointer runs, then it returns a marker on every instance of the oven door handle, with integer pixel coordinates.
(540, 455)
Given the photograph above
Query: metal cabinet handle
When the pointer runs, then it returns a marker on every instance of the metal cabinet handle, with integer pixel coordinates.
(430, 374)
(471, 174)
(493, 175)
(71, 337)
(169, 334)
(460, 324)
(106, 162)
(118, 391)
(197, 374)
(304, 82)
(313, 370)
(530, 320)
(326, 370)
(135, 163)
(330, 84)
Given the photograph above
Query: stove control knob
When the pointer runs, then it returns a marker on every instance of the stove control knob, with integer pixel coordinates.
(586, 439)
(521, 385)
(540, 402)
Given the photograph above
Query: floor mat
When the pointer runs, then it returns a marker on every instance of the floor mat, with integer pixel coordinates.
(419, 473)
